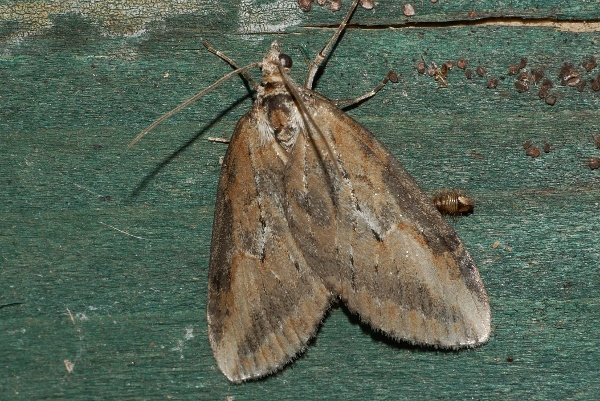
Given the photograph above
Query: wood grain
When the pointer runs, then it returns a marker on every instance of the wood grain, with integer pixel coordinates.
(129, 312)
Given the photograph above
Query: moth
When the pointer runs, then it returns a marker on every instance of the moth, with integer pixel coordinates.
(311, 210)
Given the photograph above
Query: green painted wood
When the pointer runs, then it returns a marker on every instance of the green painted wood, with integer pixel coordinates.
(129, 310)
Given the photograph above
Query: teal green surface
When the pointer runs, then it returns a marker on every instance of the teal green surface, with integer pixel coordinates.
(104, 251)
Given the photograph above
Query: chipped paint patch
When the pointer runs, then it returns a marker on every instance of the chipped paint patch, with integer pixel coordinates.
(267, 18)
(115, 18)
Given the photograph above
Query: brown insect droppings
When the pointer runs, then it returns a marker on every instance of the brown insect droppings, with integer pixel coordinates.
(521, 86)
(367, 4)
(492, 83)
(595, 84)
(547, 83)
(550, 100)
(523, 63)
(590, 65)
(408, 10)
(547, 147)
(335, 5)
(581, 85)
(421, 67)
(305, 5)
(527, 144)
(544, 88)
(449, 65)
(537, 74)
(481, 71)
(496, 244)
(568, 75)
(432, 70)
(524, 76)
(468, 73)
(510, 359)
(453, 202)
(522, 83)
(513, 69)
(594, 163)
(532, 152)
(461, 63)
(596, 140)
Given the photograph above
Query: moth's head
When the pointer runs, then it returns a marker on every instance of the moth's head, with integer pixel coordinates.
(271, 62)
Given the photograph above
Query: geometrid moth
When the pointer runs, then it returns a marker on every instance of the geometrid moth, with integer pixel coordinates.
(311, 208)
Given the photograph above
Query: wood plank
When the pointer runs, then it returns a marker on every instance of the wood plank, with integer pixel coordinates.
(105, 250)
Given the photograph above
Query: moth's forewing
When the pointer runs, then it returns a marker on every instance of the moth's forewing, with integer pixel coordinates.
(377, 241)
(264, 303)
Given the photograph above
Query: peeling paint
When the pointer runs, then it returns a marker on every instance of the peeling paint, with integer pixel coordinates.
(115, 18)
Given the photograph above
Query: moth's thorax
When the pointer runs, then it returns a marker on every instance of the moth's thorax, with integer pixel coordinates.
(270, 65)
(278, 116)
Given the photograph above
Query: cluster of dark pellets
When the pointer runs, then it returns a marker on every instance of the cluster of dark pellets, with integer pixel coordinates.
(526, 78)
(492, 83)
(441, 74)
(533, 151)
(334, 5)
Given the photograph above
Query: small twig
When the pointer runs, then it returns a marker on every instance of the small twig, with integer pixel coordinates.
(216, 139)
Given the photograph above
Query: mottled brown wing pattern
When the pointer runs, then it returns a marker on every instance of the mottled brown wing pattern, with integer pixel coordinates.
(264, 303)
(377, 241)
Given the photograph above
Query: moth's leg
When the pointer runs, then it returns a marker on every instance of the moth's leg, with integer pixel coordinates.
(391, 76)
(323, 53)
(230, 62)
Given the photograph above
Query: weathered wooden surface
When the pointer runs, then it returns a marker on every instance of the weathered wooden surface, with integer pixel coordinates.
(128, 311)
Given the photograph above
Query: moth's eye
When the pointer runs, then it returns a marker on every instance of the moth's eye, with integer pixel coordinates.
(285, 60)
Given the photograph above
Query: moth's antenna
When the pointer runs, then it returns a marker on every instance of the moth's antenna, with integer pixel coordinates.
(323, 53)
(291, 85)
(192, 100)
(230, 62)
